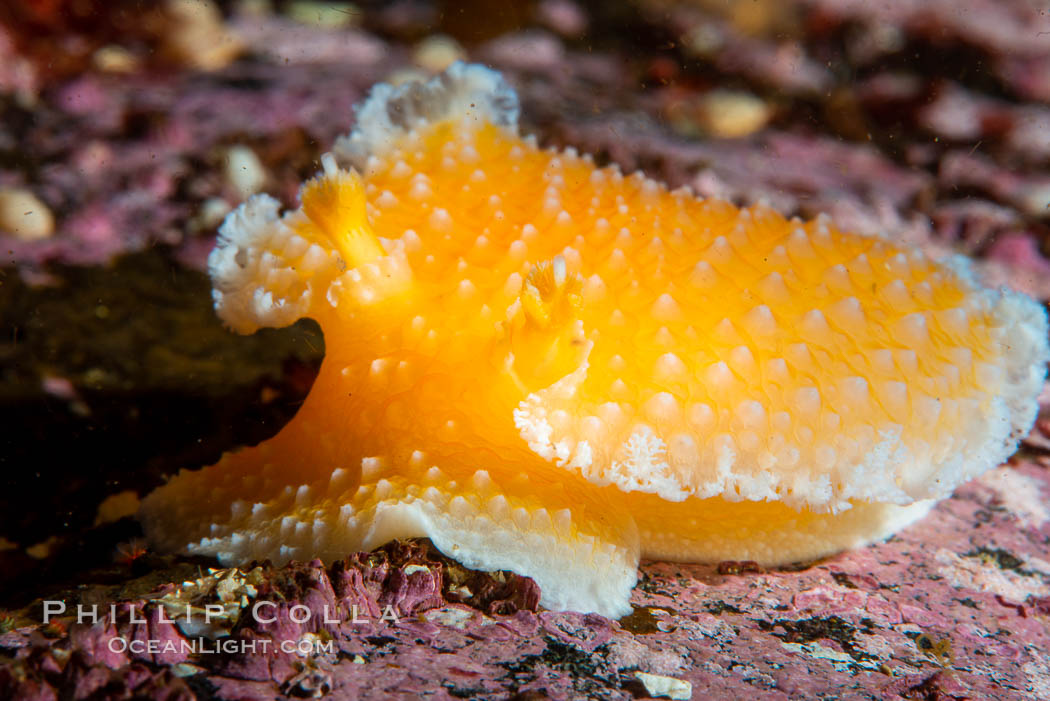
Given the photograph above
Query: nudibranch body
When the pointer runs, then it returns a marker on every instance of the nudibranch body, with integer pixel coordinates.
(553, 368)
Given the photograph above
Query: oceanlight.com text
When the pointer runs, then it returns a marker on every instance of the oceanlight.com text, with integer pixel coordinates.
(229, 646)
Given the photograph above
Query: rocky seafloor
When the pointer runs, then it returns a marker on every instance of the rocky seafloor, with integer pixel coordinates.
(128, 130)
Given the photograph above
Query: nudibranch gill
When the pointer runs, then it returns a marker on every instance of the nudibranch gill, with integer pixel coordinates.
(556, 369)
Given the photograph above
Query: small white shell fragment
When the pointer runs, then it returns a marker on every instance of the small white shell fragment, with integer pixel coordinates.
(24, 215)
(244, 171)
(660, 686)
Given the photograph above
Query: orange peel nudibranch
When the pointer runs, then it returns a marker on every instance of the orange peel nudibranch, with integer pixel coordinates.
(547, 367)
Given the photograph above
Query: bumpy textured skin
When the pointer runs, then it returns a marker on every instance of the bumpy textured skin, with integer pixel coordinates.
(555, 369)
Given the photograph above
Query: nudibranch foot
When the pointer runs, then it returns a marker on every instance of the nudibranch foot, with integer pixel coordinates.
(583, 553)
(553, 368)
(767, 532)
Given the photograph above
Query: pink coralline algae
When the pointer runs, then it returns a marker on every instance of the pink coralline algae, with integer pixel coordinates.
(954, 607)
(272, 621)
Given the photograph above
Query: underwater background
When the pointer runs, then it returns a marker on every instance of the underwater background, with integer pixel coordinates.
(128, 130)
